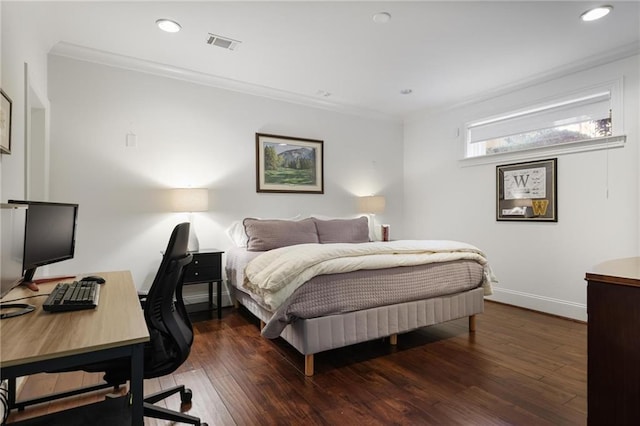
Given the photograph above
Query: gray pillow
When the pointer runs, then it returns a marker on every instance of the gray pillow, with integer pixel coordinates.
(343, 230)
(269, 234)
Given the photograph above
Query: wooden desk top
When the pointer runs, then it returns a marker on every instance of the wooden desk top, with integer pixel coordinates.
(618, 271)
(117, 321)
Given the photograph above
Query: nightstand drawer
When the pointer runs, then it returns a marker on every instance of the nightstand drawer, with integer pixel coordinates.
(205, 259)
(201, 273)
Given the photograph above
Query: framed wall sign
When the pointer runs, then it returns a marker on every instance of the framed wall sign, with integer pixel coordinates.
(527, 191)
(287, 164)
(5, 123)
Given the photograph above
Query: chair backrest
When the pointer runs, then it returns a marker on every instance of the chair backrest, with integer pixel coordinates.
(169, 326)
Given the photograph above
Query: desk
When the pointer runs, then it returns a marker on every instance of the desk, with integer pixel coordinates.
(40, 341)
(613, 370)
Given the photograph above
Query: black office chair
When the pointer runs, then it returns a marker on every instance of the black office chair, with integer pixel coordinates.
(169, 328)
(171, 336)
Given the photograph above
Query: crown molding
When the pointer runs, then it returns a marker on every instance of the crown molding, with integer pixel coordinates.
(613, 55)
(87, 54)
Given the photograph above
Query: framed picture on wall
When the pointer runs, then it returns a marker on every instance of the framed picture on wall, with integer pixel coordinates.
(527, 191)
(5, 123)
(288, 164)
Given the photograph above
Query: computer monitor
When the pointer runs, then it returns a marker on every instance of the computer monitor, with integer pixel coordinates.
(49, 235)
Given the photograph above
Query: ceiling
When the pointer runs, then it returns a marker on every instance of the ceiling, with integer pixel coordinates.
(333, 54)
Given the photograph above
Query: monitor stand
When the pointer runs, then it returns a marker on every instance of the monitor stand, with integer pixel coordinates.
(28, 281)
(32, 284)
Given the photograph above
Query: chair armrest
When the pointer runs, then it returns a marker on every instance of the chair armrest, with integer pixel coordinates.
(142, 297)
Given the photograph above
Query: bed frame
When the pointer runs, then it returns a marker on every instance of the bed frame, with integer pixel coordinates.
(310, 336)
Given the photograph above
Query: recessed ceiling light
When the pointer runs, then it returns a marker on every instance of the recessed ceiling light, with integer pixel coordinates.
(381, 17)
(596, 13)
(168, 25)
(406, 91)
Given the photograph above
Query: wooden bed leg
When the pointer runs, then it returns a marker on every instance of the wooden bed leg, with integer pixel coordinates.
(236, 304)
(308, 365)
(393, 339)
(262, 324)
(472, 323)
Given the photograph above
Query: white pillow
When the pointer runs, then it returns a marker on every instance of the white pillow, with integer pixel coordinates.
(236, 234)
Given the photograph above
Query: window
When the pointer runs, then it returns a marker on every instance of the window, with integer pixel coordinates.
(578, 119)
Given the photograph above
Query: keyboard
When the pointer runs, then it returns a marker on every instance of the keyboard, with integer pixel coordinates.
(73, 296)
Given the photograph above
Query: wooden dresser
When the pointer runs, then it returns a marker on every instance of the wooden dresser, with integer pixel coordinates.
(613, 309)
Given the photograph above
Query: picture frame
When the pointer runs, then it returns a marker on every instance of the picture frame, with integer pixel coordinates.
(527, 191)
(289, 164)
(5, 123)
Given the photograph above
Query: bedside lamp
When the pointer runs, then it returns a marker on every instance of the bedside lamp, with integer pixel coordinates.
(190, 200)
(371, 205)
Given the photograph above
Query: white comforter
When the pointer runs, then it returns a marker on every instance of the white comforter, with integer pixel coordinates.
(274, 275)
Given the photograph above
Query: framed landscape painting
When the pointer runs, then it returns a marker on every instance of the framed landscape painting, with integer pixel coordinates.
(5, 123)
(288, 164)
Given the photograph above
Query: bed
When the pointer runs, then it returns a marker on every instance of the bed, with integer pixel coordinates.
(322, 284)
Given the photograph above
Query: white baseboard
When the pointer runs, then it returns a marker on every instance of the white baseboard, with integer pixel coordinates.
(563, 308)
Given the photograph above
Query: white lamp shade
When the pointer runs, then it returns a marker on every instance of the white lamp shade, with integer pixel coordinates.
(371, 204)
(190, 199)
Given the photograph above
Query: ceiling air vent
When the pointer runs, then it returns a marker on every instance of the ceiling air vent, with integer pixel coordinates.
(224, 42)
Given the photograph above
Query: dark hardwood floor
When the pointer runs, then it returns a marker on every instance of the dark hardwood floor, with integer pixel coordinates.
(520, 367)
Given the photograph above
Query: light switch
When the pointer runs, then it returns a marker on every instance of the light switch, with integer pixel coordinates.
(132, 140)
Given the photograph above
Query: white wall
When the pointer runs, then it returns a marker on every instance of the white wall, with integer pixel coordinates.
(20, 45)
(20, 48)
(1, 155)
(1, 85)
(192, 135)
(540, 265)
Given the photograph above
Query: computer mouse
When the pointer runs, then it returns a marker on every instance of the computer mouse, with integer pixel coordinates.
(95, 278)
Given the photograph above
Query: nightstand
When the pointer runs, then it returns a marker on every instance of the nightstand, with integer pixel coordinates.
(205, 268)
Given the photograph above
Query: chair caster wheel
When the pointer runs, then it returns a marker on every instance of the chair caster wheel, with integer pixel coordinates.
(185, 396)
